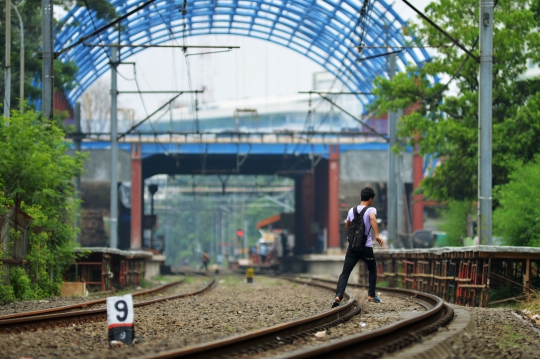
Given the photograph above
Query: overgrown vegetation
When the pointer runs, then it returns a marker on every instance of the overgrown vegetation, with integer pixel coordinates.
(455, 221)
(517, 219)
(35, 167)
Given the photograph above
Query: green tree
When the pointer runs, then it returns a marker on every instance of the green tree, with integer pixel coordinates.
(35, 167)
(455, 221)
(30, 11)
(517, 219)
(446, 121)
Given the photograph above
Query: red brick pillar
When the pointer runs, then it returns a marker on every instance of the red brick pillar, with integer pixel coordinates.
(136, 197)
(333, 199)
(418, 200)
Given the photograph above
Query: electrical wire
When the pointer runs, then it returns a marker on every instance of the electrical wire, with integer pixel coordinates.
(364, 17)
(134, 77)
(193, 96)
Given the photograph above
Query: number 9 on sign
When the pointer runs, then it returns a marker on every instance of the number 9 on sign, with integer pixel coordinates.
(120, 318)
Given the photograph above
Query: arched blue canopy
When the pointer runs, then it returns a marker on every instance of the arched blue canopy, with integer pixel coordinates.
(324, 31)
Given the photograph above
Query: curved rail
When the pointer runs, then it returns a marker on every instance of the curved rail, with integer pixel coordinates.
(32, 323)
(437, 315)
(86, 304)
(388, 338)
(268, 337)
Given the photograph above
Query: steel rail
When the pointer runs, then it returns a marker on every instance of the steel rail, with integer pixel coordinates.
(32, 323)
(387, 339)
(269, 337)
(86, 304)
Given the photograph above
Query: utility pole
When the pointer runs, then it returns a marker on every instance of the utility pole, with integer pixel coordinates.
(400, 189)
(7, 79)
(47, 81)
(114, 150)
(392, 188)
(245, 244)
(77, 141)
(21, 76)
(485, 123)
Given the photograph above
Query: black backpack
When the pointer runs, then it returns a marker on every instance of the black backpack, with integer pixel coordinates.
(356, 235)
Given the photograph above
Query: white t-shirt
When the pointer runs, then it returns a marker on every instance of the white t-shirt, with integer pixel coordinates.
(367, 222)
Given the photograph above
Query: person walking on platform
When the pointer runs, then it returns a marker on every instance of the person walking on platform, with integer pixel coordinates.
(263, 249)
(361, 223)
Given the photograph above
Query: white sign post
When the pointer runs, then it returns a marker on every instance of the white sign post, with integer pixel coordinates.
(120, 320)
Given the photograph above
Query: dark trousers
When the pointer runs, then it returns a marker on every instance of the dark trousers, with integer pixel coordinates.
(351, 258)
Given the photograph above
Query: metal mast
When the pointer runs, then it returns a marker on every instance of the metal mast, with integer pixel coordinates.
(21, 75)
(114, 149)
(485, 123)
(47, 81)
(392, 188)
(7, 79)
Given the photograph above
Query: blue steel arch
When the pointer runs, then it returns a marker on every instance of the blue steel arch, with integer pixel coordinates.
(324, 31)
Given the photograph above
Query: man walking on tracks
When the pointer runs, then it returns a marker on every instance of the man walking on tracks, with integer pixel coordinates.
(361, 223)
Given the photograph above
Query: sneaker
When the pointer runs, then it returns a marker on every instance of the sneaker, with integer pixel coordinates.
(335, 304)
(375, 300)
(115, 344)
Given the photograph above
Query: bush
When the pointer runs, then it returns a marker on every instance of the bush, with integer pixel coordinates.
(517, 219)
(6, 294)
(35, 168)
(455, 221)
(21, 284)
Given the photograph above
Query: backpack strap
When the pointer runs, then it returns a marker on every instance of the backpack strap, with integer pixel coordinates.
(362, 212)
(355, 212)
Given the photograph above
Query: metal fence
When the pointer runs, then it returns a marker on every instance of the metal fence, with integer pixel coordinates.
(14, 228)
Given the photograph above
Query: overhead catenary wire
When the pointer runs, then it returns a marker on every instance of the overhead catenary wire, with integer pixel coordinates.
(98, 33)
(363, 19)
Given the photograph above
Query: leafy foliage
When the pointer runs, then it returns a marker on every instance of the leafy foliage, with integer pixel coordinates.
(446, 121)
(20, 283)
(34, 165)
(517, 219)
(455, 221)
(6, 294)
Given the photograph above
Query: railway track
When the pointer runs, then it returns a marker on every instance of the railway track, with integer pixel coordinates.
(390, 338)
(62, 316)
(87, 304)
(372, 344)
(266, 339)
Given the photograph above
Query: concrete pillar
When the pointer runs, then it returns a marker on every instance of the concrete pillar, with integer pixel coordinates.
(418, 200)
(333, 200)
(137, 188)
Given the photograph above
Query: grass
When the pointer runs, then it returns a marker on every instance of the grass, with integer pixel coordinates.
(533, 305)
(510, 338)
(171, 278)
(229, 328)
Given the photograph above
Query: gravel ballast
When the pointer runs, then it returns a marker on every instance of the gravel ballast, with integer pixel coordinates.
(499, 334)
(54, 302)
(235, 307)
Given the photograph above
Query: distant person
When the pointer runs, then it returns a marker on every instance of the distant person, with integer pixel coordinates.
(284, 244)
(369, 216)
(263, 249)
(205, 260)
